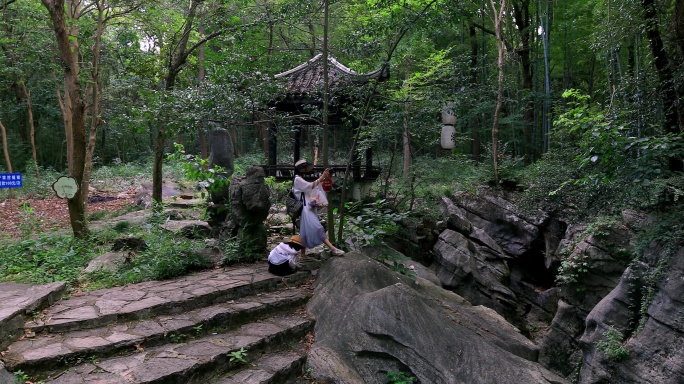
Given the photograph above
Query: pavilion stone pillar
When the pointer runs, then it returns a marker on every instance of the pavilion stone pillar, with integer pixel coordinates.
(272, 149)
(297, 142)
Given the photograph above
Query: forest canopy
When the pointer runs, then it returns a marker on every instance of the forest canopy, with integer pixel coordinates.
(591, 85)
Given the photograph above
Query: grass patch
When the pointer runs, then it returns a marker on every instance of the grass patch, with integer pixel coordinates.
(167, 257)
(51, 258)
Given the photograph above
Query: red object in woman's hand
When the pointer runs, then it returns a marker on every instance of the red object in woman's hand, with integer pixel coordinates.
(327, 184)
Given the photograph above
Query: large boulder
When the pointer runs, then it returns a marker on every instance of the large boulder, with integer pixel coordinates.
(603, 252)
(371, 321)
(475, 270)
(653, 341)
(494, 255)
(250, 204)
(250, 197)
(222, 154)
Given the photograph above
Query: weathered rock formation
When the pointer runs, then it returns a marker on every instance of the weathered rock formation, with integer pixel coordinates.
(223, 155)
(250, 204)
(371, 321)
(494, 256)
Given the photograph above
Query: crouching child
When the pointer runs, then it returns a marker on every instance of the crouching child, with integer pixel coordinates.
(283, 259)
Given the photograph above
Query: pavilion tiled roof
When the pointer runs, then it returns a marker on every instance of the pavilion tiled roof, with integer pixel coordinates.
(308, 77)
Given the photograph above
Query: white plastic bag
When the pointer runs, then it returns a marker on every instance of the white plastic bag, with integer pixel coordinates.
(317, 198)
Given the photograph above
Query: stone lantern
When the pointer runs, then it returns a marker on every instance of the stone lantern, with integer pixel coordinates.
(448, 131)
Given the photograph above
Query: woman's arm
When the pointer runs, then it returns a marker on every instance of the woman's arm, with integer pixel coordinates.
(292, 260)
(302, 185)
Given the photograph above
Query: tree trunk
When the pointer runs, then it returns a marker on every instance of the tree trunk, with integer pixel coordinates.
(68, 52)
(678, 21)
(95, 104)
(521, 15)
(498, 16)
(546, 110)
(474, 48)
(33, 129)
(406, 141)
(65, 106)
(673, 119)
(174, 67)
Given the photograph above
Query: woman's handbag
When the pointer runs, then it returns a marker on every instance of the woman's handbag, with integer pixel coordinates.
(293, 206)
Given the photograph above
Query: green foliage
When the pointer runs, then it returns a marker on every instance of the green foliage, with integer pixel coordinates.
(613, 345)
(655, 246)
(278, 191)
(197, 329)
(197, 169)
(575, 265)
(44, 259)
(177, 337)
(29, 220)
(170, 257)
(398, 377)
(429, 181)
(49, 258)
(231, 250)
(238, 356)
(21, 375)
(369, 224)
(608, 148)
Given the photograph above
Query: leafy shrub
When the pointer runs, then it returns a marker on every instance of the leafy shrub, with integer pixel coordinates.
(369, 224)
(574, 267)
(44, 259)
(612, 344)
(197, 169)
(169, 257)
(397, 377)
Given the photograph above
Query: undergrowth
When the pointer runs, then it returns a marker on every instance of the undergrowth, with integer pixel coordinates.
(50, 258)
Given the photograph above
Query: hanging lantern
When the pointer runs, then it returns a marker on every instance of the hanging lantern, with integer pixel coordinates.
(448, 131)
(447, 139)
(448, 113)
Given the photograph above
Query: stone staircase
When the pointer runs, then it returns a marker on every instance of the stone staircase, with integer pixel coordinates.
(233, 325)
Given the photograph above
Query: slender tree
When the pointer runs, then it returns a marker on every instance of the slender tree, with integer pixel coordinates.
(67, 44)
(498, 28)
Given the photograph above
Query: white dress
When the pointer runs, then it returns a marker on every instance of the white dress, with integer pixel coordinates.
(310, 228)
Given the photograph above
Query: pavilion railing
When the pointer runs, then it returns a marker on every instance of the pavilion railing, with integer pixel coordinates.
(284, 172)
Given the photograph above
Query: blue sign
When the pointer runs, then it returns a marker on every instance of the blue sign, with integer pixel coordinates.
(10, 180)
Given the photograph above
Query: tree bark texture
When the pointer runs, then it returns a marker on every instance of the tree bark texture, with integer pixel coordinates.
(523, 22)
(95, 103)
(498, 16)
(32, 126)
(673, 118)
(68, 52)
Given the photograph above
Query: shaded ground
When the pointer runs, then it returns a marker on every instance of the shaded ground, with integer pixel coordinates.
(32, 215)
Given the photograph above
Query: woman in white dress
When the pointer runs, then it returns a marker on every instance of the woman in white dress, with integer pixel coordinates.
(310, 228)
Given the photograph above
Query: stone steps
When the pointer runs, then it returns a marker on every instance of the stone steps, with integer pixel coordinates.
(283, 367)
(177, 331)
(192, 362)
(144, 300)
(49, 351)
(19, 302)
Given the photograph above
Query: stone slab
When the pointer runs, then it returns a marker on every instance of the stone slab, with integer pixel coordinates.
(49, 351)
(18, 301)
(179, 362)
(139, 301)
